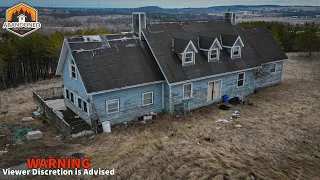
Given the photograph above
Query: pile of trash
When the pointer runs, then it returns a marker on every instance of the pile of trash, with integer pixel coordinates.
(234, 117)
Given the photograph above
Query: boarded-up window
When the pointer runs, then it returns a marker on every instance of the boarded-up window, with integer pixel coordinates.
(147, 98)
(187, 91)
(240, 79)
(112, 106)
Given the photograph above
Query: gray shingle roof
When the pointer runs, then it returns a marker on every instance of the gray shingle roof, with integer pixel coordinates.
(161, 40)
(180, 44)
(126, 63)
(228, 39)
(205, 42)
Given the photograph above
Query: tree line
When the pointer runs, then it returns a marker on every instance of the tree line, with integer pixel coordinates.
(32, 58)
(292, 38)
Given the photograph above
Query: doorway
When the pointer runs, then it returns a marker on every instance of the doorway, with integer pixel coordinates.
(214, 90)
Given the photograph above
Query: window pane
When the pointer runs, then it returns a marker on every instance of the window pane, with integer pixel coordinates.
(187, 95)
(67, 94)
(113, 105)
(73, 75)
(147, 101)
(240, 83)
(240, 76)
(73, 69)
(147, 96)
(85, 109)
(187, 87)
(79, 103)
(71, 97)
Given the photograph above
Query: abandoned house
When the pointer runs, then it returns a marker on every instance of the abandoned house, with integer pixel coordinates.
(165, 67)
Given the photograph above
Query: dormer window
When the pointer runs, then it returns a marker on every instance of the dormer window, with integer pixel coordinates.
(185, 50)
(188, 58)
(236, 51)
(214, 54)
(233, 45)
(210, 46)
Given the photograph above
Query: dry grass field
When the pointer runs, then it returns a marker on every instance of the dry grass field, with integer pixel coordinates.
(279, 137)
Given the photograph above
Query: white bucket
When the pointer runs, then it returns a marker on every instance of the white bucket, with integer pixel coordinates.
(106, 126)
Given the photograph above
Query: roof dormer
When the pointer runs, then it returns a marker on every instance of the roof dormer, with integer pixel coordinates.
(210, 46)
(233, 44)
(185, 50)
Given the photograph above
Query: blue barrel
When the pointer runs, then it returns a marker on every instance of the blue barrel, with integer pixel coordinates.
(226, 99)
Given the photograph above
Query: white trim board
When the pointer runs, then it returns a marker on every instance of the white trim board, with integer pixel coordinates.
(212, 76)
(126, 87)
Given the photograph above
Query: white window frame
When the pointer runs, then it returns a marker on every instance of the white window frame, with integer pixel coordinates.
(78, 97)
(88, 112)
(191, 91)
(244, 78)
(210, 54)
(82, 106)
(275, 68)
(142, 97)
(233, 51)
(192, 57)
(107, 108)
(72, 63)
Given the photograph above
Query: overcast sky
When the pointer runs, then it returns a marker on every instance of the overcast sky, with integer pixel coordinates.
(161, 3)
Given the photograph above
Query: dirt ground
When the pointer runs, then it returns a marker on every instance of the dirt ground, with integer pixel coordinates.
(279, 137)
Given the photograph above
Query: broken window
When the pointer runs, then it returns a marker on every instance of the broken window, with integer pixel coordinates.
(112, 106)
(240, 79)
(187, 91)
(236, 51)
(147, 98)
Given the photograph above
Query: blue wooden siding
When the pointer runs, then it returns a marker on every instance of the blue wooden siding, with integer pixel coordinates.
(76, 86)
(130, 102)
(265, 78)
(200, 90)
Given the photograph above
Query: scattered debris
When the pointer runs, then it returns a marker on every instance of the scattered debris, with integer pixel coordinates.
(59, 137)
(224, 107)
(178, 116)
(224, 121)
(3, 112)
(93, 137)
(207, 138)
(34, 135)
(145, 118)
(3, 152)
(218, 128)
(235, 115)
(19, 133)
(238, 126)
(235, 101)
(27, 119)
